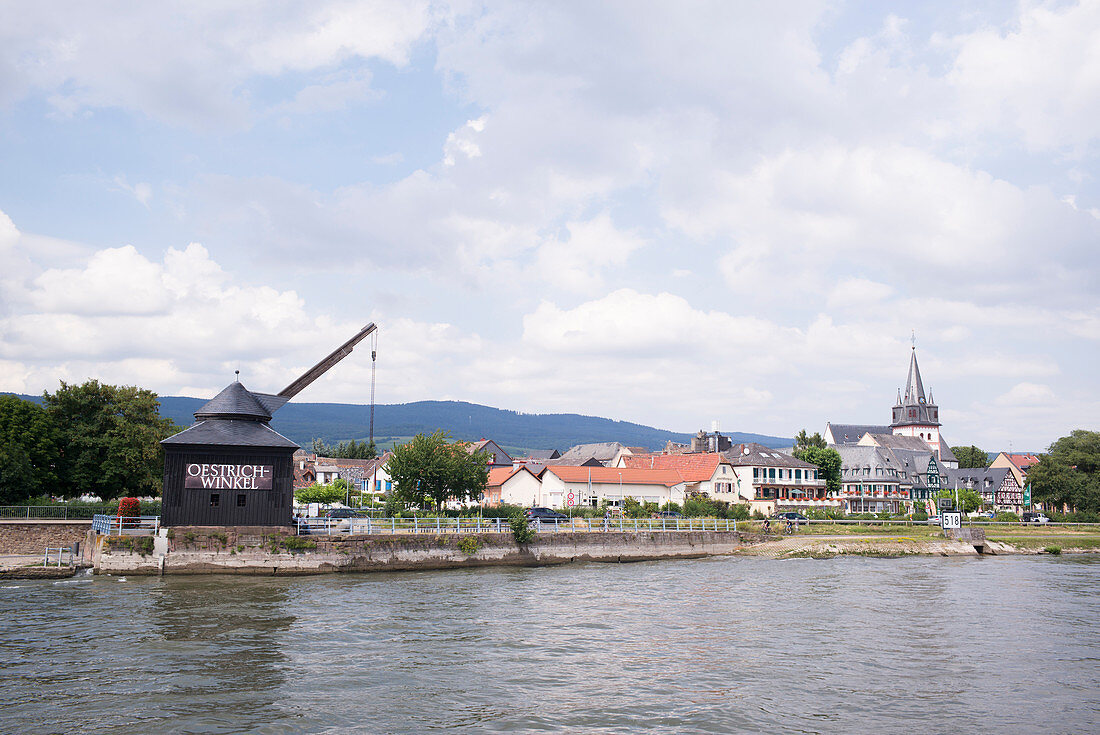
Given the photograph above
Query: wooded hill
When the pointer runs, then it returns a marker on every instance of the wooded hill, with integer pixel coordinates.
(332, 422)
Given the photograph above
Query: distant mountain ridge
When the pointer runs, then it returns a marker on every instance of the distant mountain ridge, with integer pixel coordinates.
(303, 422)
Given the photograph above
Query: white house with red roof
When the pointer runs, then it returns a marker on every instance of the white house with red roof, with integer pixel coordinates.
(511, 485)
(564, 485)
(704, 473)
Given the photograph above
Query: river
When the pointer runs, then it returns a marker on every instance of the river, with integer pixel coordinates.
(853, 644)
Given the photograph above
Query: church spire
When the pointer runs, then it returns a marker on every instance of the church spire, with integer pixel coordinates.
(914, 388)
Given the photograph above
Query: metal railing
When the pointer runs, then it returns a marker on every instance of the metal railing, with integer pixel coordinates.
(332, 526)
(133, 526)
(61, 550)
(55, 512)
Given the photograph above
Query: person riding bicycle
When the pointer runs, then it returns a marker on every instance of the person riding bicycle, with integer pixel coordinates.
(790, 526)
(767, 525)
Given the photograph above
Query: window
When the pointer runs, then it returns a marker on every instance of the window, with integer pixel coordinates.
(798, 474)
(377, 486)
(215, 500)
(755, 472)
(240, 500)
(771, 473)
(389, 485)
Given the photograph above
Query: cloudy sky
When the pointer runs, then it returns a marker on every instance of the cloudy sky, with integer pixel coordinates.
(669, 213)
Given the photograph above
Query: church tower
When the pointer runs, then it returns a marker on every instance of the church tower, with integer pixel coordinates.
(914, 413)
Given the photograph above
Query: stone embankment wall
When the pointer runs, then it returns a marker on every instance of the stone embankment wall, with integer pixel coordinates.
(276, 551)
(32, 537)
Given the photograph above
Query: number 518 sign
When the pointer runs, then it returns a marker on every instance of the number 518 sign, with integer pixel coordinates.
(952, 520)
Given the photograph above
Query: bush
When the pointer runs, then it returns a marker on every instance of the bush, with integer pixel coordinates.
(520, 530)
(1006, 517)
(143, 545)
(128, 511)
(393, 506)
(504, 510)
(758, 515)
(920, 516)
(705, 507)
(738, 512)
(295, 543)
(469, 545)
(1055, 550)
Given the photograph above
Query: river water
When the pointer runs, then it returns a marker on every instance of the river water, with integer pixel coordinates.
(853, 644)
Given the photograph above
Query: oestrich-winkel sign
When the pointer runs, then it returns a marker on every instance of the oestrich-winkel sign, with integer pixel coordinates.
(229, 476)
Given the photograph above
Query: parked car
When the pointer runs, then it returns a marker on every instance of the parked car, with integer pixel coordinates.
(1034, 517)
(545, 515)
(667, 514)
(790, 515)
(343, 513)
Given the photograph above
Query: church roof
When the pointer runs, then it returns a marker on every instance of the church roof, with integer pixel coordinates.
(914, 387)
(946, 455)
(852, 433)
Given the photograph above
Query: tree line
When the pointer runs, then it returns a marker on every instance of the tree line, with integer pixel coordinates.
(91, 438)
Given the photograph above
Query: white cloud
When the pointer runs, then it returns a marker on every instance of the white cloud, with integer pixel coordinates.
(1041, 76)
(190, 64)
(1027, 394)
(578, 261)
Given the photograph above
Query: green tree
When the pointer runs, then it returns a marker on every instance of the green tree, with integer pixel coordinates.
(827, 460)
(806, 441)
(323, 494)
(350, 449)
(430, 470)
(1070, 473)
(969, 500)
(971, 457)
(29, 451)
(109, 439)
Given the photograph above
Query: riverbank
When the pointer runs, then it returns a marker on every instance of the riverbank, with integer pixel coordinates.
(277, 551)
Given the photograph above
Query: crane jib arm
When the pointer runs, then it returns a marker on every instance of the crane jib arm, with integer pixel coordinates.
(325, 365)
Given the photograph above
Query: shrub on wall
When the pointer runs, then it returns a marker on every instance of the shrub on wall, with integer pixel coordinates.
(129, 509)
(520, 530)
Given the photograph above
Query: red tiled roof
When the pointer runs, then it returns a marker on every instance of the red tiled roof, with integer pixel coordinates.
(692, 467)
(1023, 461)
(629, 476)
(500, 475)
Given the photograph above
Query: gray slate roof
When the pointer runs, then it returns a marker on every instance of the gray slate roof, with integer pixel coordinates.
(994, 475)
(752, 454)
(946, 455)
(235, 401)
(602, 452)
(852, 433)
(897, 441)
(907, 466)
(231, 432)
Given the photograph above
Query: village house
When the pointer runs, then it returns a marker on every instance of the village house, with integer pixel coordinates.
(872, 480)
(771, 481)
(916, 461)
(997, 487)
(1017, 464)
(512, 486)
(709, 474)
(566, 485)
(497, 456)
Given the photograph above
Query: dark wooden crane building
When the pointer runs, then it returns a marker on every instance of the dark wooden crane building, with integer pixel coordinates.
(230, 468)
